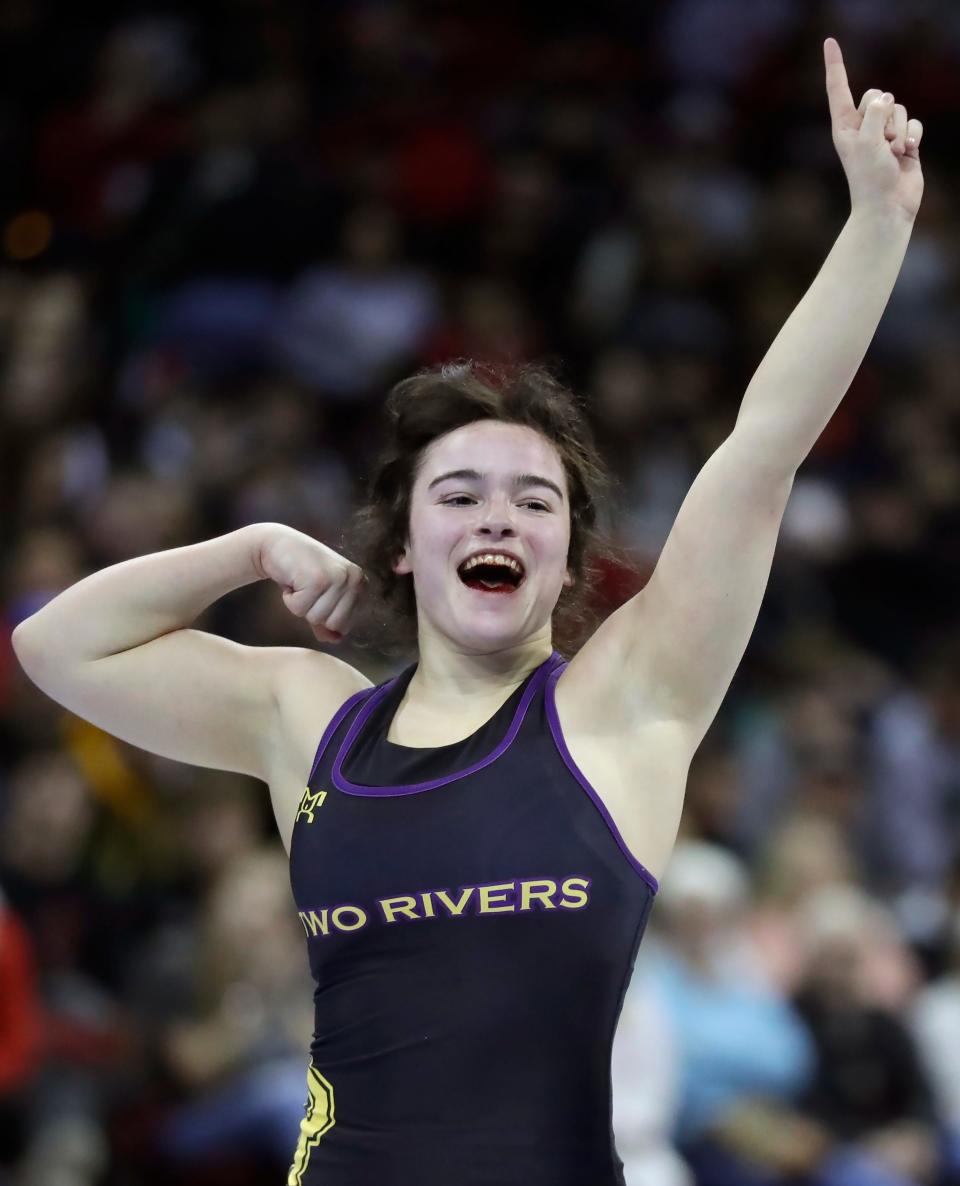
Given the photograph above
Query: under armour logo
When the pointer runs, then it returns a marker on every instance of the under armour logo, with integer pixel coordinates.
(309, 804)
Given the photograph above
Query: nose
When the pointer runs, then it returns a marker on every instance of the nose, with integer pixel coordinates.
(498, 528)
(496, 523)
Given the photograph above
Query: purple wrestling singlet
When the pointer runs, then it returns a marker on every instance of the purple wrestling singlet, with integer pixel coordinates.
(472, 918)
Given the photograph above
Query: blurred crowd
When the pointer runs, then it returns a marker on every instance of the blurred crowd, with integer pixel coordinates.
(226, 230)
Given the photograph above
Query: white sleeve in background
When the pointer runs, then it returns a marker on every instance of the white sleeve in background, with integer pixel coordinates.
(645, 1077)
(935, 1022)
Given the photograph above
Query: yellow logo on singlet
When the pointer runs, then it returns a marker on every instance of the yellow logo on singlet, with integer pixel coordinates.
(309, 804)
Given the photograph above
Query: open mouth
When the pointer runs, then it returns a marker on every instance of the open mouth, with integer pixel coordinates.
(492, 574)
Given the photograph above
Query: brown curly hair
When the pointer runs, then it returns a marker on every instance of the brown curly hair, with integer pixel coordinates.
(432, 403)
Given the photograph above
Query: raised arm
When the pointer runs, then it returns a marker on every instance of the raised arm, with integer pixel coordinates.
(677, 644)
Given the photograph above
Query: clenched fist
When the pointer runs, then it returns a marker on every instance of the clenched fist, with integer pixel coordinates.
(317, 583)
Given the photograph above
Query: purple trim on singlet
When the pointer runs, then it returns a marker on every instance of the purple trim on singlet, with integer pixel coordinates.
(334, 724)
(342, 783)
(557, 731)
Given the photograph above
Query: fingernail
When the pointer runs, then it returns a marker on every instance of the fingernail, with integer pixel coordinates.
(912, 140)
(886, 97)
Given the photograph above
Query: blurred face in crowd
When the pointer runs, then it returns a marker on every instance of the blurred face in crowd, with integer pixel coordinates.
(215, 831)
(49, 816)
(699, 929)
(251, 936)
(943, 691)
(370, 236)
(835, 968)
(488, 487)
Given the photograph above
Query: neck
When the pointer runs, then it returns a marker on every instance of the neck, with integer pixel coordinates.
(446, 672)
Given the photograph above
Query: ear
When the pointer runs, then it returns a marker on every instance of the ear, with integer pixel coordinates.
(402, 566)
(568, 580)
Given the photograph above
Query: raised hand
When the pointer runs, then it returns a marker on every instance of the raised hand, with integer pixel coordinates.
(878, 146)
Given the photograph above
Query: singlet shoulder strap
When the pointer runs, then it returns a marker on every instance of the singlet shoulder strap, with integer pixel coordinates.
(337, 720)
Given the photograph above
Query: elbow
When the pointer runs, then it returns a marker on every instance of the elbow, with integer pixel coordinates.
(26, 646)
(18, 640)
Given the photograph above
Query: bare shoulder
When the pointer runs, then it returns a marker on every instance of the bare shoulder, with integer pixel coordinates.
(310, 686)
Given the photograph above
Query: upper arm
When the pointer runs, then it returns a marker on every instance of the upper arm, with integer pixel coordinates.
(691, 623)
(187, 695)
(675, 646)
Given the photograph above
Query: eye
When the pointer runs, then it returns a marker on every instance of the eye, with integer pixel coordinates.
(460, 500)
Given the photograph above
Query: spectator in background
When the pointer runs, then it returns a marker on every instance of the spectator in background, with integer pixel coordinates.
(20, 1031)
(807, 855)
(238, 1054)
(488, 324)
(348, 326)
(915, 775)
(935, 1025)
(97, 157)
(869, 1088)
(645, 1075)
(745, 1055)
(47, 351)
(46, 840)
(214, 822)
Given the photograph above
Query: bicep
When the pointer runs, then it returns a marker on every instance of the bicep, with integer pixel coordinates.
(187, 695)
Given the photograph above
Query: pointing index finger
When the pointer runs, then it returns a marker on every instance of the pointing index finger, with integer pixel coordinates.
(843, 110)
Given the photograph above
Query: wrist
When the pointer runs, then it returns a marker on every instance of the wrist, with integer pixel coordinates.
(882, 217)
(256, 536)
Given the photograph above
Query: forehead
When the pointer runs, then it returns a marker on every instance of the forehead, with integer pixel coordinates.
(494, 448)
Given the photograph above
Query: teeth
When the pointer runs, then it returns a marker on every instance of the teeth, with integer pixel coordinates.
(492, 558)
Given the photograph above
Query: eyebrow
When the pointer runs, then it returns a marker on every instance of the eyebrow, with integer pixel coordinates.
(520, 481)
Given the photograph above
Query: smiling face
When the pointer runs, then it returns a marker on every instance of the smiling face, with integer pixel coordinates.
(483, 489)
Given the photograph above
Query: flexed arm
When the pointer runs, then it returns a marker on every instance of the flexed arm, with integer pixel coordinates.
(118, 648)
